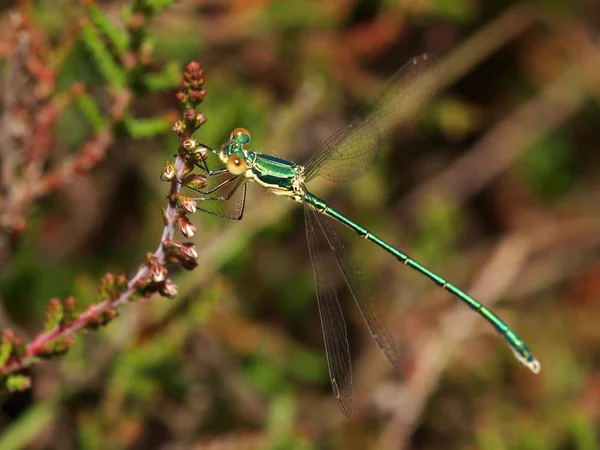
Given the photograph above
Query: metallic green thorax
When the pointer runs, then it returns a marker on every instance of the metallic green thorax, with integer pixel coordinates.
(274, 171)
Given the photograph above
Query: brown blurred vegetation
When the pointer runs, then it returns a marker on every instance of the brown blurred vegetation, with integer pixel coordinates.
(497, 189)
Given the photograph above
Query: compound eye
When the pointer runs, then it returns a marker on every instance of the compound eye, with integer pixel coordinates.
(236, 165)
(241, 135)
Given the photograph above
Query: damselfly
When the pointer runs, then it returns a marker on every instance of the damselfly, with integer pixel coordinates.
(343, 157)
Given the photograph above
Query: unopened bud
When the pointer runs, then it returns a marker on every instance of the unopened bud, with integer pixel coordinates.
(200, 119)
(188, 264)
(171, 247)
(187, 204)
(188, 250)
(188, 256)
(168, 289)
(190, 145)
(202, 151)
(187, 228)
(168, 173)
(190, 115)
(194, 181)
(158, 272)
(179, 127)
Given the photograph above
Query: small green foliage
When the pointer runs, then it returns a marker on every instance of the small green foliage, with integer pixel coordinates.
(111, 287)
(165, 79)
(69, 310)
(54, 314)
(292, 14)
(457, 10)
(57, 346)
(117, 39)
(26, 428)
(6, 346)
(157, 6)
(146, 128)
(108, 67)
(60, 313)
(91, 112)
(15, 383)
(102, 318)
(11, 347)
(19, 347)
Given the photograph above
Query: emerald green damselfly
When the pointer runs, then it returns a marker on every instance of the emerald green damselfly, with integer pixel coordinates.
(343, 157)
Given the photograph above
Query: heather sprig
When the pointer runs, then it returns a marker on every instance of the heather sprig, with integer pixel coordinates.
(123, 59)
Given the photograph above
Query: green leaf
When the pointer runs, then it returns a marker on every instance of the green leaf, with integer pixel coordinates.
(107, 66)
(26, 428)
(145, 128)
(91, 112)
(15, 383)
(6, 347)
(457, 10)
(117, 38)
(54, 314)
(167, 79)
(158, 5)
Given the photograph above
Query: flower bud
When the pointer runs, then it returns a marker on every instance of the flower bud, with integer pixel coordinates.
(187, 228)
(168, 173)
(190, 115)
(168, 289)
(179, 127)
(158, 272)
(190, 145)
(194, 181)
(188, 250)
(202, 151)
(187, 204)
(200, 119)
(171, 247)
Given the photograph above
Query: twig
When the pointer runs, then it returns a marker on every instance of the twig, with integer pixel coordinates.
(151, 276)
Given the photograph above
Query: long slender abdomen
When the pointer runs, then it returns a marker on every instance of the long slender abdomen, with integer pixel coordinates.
(519, 348)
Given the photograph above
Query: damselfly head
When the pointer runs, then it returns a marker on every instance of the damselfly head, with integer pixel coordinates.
(240, 136)
(234, 153)
(235, 145)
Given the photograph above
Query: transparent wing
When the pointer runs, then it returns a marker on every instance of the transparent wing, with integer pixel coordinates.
(362, 295)
(332, 320)
(353, 149)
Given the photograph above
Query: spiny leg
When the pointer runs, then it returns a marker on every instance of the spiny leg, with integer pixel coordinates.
(211, 190)
(242, 183)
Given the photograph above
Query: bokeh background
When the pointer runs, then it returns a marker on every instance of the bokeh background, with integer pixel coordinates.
(496, 187)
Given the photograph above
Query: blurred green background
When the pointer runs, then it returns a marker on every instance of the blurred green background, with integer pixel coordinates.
(497, 188)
